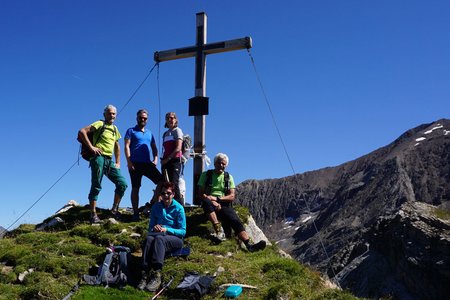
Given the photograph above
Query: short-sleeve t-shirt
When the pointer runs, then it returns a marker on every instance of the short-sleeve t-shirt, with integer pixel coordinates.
(140, 144)
(108, 138)
(170, 138)
(218, 183)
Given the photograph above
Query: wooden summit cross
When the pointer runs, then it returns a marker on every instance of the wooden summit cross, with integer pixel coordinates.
(198, 105)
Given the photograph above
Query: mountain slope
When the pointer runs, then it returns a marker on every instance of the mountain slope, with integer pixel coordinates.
(44, 262)
(331, 218)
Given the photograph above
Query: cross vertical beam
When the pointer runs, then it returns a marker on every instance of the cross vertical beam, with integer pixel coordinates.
(199, 51)
(200, 91)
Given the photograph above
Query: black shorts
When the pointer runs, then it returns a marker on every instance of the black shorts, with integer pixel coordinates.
(227, 215)
(148, 170)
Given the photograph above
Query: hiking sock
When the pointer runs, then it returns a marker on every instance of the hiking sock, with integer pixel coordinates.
(135, 217)
(217, 227)
(115, 208)
(157, 267)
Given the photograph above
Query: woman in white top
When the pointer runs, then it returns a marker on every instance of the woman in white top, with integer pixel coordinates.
(171, 157)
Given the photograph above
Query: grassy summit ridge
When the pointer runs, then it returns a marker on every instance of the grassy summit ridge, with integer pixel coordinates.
(57, 257)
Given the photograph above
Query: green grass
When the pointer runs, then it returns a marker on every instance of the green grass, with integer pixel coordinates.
(60, 255)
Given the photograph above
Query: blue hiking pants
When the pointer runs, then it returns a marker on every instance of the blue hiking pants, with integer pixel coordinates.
(155, 248)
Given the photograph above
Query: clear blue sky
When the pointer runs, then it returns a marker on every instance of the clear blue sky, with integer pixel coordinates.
(343, 78)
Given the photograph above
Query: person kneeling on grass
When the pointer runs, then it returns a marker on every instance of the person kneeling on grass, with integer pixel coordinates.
(217, 191)
(166, 230)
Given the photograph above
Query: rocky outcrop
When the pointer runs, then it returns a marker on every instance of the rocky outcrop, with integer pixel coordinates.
(405, 255)
(337, 219)
(254, 232)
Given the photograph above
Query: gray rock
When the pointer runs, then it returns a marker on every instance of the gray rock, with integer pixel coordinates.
(22, 275)
(113, 221)
(53, 222)
(254, 232)
(69, 205)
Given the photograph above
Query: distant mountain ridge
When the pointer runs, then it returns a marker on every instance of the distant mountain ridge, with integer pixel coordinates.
(354, 204)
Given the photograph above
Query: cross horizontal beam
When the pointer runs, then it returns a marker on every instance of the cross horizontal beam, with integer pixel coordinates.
(211, 48)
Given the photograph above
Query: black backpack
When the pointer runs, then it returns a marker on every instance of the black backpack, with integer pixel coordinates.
(85, 152)
(194, 285)
(114, 270)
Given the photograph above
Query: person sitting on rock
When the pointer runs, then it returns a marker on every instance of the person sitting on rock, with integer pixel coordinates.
(166, 230)
(217, 191)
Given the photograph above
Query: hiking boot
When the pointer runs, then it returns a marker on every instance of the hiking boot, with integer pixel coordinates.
(219, 234)
(147, 209)
(141, 285)
(256, 247)
(95, 220)
(116, 214)
(154, 282)
(218, 237)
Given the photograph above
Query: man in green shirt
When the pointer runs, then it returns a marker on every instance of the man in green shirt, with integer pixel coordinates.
(104, 145)
(216, 189)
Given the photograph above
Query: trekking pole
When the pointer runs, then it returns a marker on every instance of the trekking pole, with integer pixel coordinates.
(72, 291)
(162, 289)
(166, 175)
